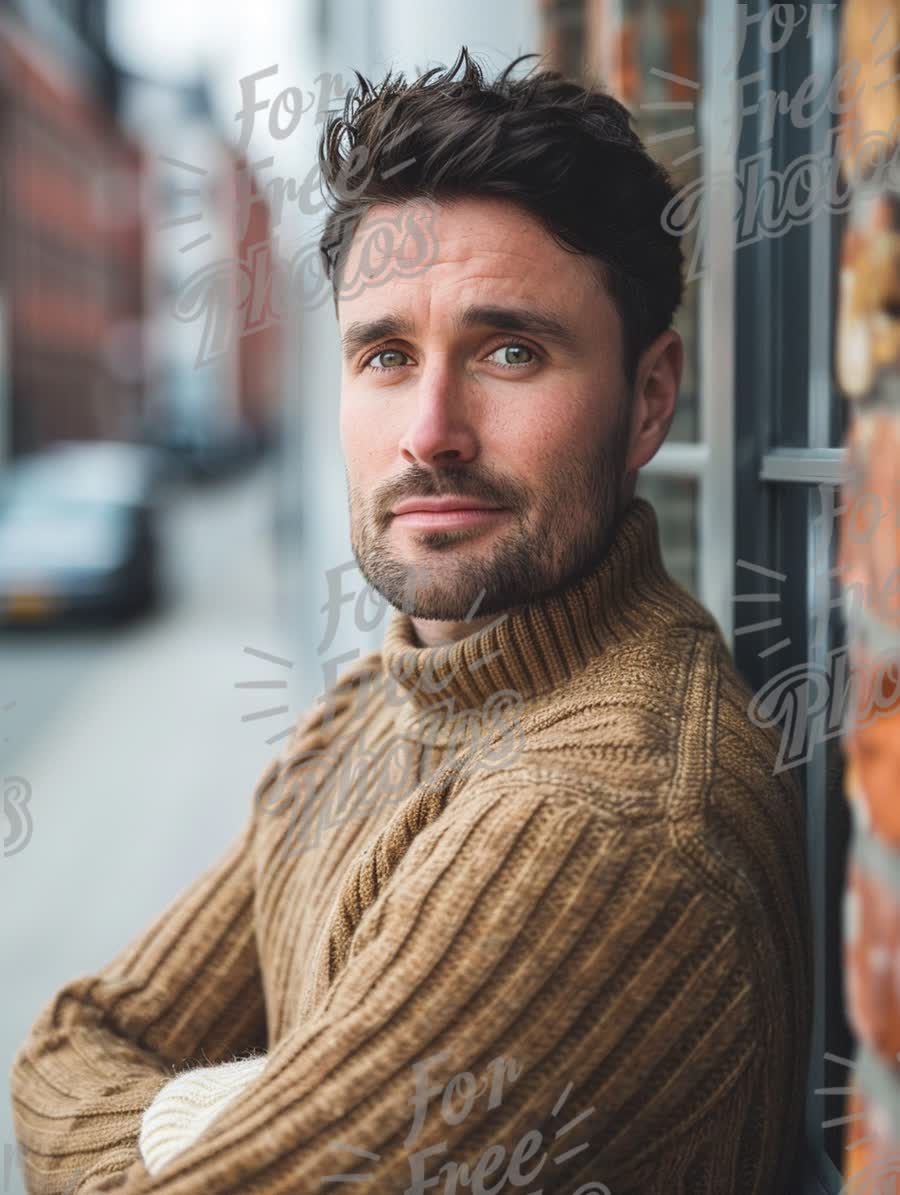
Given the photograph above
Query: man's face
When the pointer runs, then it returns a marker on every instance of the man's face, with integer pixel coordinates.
(480, 398)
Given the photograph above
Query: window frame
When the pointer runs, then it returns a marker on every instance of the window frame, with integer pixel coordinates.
(789, 422)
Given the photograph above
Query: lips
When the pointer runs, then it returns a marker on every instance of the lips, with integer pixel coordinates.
(446, 514)
(440, 505)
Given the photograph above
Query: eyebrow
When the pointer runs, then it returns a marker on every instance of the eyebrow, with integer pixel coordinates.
(361, 333)
(536, 320)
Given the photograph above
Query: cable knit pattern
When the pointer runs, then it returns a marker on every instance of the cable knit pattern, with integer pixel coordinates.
(529, 910)
(187, 1105)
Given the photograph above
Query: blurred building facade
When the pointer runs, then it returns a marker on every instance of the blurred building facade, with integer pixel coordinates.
(212, 342)
(70, 249)
(98, 338)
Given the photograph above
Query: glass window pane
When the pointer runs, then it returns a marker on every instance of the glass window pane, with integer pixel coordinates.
(839, 423)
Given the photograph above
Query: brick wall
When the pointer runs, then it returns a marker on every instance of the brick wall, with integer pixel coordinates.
(70, 250)
(867, 368)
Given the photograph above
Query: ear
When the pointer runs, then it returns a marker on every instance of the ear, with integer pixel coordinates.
(656, 393)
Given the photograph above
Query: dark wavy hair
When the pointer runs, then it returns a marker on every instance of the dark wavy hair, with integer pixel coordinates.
(564, 152)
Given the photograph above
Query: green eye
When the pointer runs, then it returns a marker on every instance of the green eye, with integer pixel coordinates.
(385, 353)
(512, 354)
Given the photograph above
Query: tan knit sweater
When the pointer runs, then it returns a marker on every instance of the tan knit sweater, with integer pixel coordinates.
(531, 916)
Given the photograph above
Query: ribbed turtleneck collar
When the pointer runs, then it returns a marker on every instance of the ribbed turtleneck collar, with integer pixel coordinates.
(536, 647)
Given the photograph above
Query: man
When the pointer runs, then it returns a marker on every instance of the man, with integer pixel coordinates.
(583, 965)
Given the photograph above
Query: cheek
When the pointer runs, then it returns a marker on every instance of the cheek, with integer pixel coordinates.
(535, 443)
(367, 445)
(354, 427)
(354, 452)
(371, 432)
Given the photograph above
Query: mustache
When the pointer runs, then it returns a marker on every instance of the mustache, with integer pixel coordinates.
(453, 482)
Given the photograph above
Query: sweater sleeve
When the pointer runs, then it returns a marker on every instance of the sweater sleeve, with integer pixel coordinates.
(519, 988)
(106, 1043)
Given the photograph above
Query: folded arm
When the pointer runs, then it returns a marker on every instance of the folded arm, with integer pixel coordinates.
(506, 988)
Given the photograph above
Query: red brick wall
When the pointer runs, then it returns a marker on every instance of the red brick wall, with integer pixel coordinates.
(70, 248)
(867, 367)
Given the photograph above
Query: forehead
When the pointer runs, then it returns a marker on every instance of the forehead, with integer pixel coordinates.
(436, 257)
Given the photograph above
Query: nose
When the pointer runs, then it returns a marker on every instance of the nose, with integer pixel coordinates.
(440, 431)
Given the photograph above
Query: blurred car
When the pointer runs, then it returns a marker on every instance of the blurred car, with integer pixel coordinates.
(203, 452)
(79, 532)
(199, 440)
(202, 449)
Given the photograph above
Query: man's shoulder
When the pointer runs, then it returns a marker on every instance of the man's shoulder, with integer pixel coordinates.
(699, 857)
(649, 702)
(658, 731)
